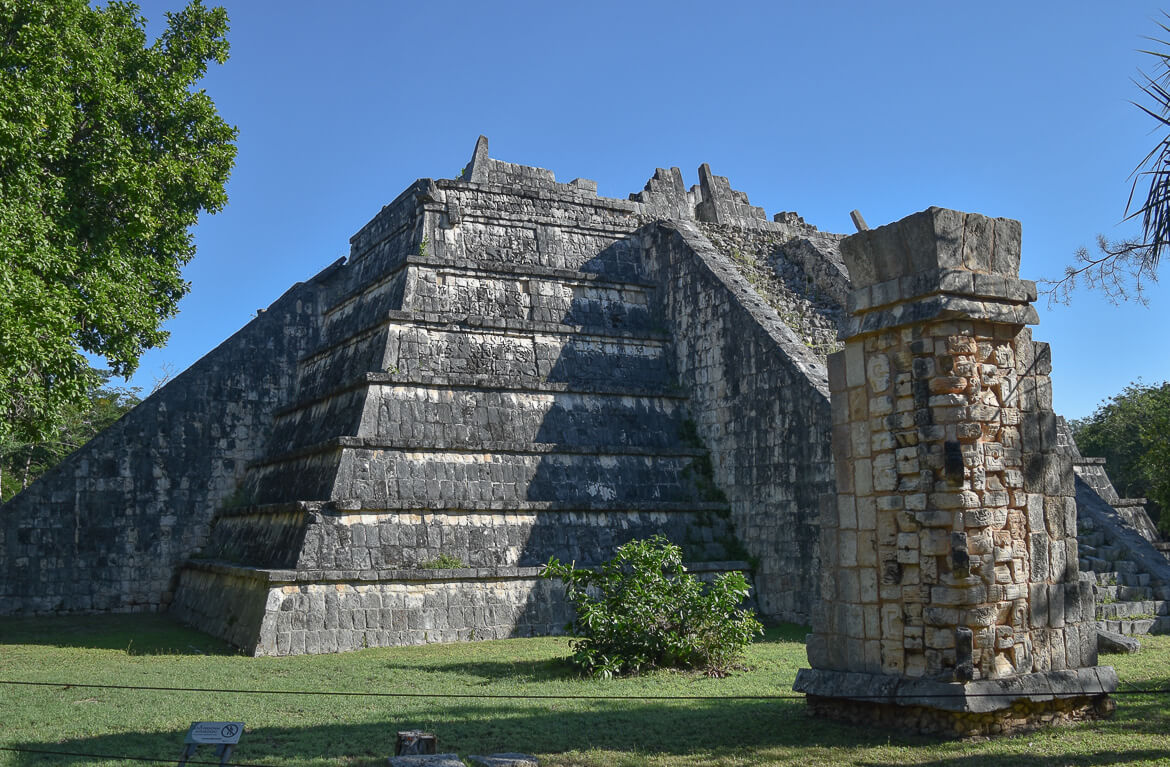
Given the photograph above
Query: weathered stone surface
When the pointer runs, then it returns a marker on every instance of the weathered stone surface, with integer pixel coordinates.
(1111, 642)
(981, 593)
(427, 760)
(503, 760)
(107, 529)
(774, 476)
(508, 368)
(984, 696)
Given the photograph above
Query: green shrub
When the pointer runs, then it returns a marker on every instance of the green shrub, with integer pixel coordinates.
(1129, 431)
(642, 610)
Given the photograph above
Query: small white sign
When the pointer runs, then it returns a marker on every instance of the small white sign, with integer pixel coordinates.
(214, 733)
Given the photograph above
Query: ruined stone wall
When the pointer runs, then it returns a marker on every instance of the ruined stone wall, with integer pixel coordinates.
(759, 397)
(506, 368)
(973, 441)
(270, 613)
(799, 275)
(953, 543)
(950, 596)
(313, 537)
(107, 528)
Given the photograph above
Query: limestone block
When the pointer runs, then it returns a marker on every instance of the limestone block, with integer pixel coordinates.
(872, 617)
(854, 359)
(848, 587)
(908, 548)
(1056, 605)
(934, 542)
(867, 550)
(892, 622)
(847, 548)
(867, 517)
(846, 512)
(1006, 260)
(885, 474)
(878, 373)
(1073, 655)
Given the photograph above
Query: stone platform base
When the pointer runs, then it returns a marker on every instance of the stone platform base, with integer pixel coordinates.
(288, 612)
(951, 709)
(1022, 716)
(298, 612)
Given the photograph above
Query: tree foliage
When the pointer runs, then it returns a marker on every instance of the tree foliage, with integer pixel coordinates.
(1121, 268)
(21, 462)
(108, 152)
(1132, 432)
(642, 610)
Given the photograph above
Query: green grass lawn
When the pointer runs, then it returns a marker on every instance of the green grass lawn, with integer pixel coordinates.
(318, 730)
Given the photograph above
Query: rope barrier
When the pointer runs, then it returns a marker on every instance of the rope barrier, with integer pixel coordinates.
(489, 696)
(151, 759)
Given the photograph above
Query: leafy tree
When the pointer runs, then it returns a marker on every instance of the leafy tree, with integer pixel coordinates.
(1132, 432)
(22, 462)
(1120, 268)
(642, 610)
(108, 152)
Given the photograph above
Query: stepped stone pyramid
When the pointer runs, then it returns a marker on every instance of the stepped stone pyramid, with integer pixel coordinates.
(483, 390)
(505, 368)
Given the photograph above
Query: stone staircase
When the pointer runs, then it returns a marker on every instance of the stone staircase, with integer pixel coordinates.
(485, 394)
(1126, 601)
(1120, 552)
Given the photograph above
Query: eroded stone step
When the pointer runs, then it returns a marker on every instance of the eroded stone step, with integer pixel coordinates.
(1111, 552)
(427, 446)
(1091, 539)
(474, 266)
(1123, 593)
(1095, 565)
(463, 322)
(575, 246)
(447, 478)
(1130, 627)
(1114, 578)
(579, 303)
(421, 350)
(485, 538)
(452, 381)
(288, 612)
(354, 505)
(1150, 608)
(471, 417)
(364, 309)
(397, 267)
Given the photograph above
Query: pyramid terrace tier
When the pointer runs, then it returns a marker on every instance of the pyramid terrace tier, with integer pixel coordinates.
(463, 416)
(598, 304)
(517, 354)
(293, 612)
(394, 475)
(309, 536)
(461, 287)
(507, 226)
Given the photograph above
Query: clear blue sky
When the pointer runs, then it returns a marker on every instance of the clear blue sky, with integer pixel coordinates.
(1017, 109)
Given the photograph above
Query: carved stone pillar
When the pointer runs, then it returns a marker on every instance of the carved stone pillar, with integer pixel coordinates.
(950, 597)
